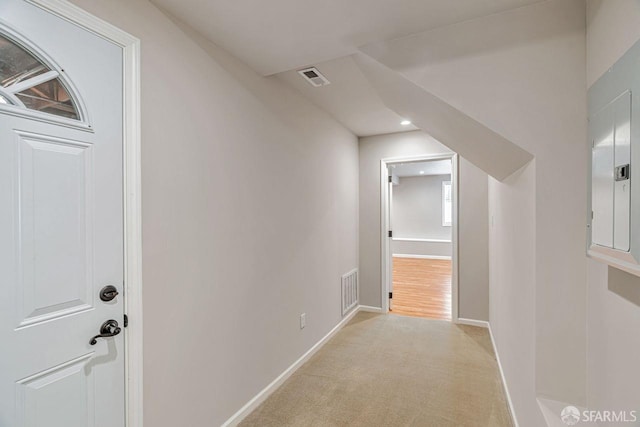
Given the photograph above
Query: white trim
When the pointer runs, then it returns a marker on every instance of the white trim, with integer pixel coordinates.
(504, 381)
(421, 256)
(408, 239)
(369, 309)
(385, 246)
(133, 233)
(624, 261)
(132, 194)
(19, 110)
(473, 322)
(455, 181)
(385, 242)
(251, 405)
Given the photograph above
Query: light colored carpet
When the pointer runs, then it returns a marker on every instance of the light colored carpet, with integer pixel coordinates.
(388, 370)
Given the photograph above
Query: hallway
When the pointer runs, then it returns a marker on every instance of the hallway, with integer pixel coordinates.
(220, 213)
(384, 370)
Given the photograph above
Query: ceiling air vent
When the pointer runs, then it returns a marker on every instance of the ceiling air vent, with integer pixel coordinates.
(313, 76)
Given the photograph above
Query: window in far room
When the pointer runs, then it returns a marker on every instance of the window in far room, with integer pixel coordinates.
(446, 204)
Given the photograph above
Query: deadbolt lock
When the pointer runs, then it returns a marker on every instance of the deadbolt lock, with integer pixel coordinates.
(108, 293)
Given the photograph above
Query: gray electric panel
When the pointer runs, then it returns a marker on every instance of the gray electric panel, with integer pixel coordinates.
(614, 187)
(610, 167)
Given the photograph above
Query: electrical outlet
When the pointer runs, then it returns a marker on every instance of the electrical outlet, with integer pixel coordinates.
(303, 320)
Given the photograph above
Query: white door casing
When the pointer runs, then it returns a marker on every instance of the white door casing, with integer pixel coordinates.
(386, 192)
(62, 222)
(390, 238)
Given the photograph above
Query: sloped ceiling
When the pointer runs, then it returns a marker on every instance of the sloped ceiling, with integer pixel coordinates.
(479, 68)
(488, 150)
(374, 52)
(279, 35)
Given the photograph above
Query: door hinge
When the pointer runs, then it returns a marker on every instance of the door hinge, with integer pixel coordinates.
(125, 322)
(390, 295)
(390, 233)
(390, 178)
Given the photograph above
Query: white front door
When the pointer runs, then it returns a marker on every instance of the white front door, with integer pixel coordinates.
(61, 223)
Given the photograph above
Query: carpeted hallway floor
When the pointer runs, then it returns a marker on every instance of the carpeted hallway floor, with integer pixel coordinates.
(387, 370)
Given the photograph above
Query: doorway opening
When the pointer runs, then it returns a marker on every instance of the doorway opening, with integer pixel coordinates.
(420, 236)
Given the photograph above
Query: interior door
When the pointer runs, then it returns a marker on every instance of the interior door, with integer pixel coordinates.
(61, 223)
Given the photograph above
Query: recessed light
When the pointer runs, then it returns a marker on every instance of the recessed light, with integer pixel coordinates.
(405, 122)
(421, 172)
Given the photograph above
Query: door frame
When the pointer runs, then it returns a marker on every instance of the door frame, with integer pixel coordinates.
(131, 193)
(385, 241)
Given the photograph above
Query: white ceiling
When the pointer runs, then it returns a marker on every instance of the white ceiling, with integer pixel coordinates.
(432, 167)
(349, 98)
(279, 35)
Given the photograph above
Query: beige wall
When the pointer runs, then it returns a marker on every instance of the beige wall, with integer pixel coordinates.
(243, 228)
(473, 240)
(512, 278)
(417, 208)
(613, 372)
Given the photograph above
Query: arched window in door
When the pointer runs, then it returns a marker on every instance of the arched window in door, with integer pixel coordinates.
(27, 82)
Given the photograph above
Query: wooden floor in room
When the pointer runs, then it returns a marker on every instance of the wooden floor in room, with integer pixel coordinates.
(422, 288)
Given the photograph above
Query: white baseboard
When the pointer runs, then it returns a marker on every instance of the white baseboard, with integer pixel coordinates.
(421, 256)
(504, 381)
(472, 322)
(236, 418)
(370, 309)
